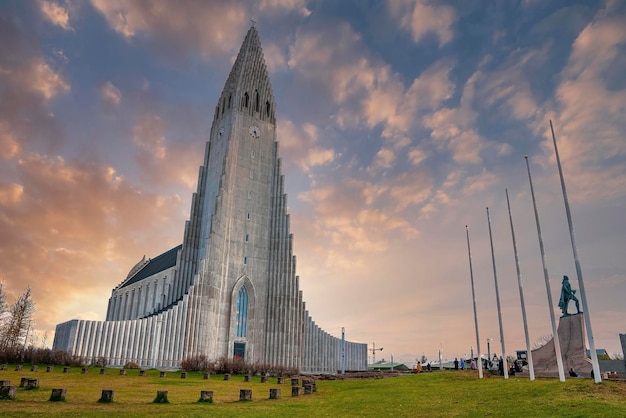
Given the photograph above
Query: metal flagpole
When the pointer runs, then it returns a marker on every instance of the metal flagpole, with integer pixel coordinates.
(579, 273)
(529, 355)
(343, 350)
(555, 334)
(495, 279)
(469, 252)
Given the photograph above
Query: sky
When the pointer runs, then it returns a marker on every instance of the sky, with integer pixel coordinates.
(399, 122)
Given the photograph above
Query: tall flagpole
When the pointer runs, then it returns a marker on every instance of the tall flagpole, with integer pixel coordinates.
(529, 354)
(579, 273)
(555, 334)
(495, 279)
(469, 252)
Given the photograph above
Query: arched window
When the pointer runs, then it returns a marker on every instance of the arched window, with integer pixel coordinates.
(242, 312)
(267, 108)
(230, 99)
(256, 101)
(246, 99)
(223, 105)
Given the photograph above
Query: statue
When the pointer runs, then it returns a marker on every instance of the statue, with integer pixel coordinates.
(567, 294)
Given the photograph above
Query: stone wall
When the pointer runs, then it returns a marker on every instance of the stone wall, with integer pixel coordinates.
(573, 350)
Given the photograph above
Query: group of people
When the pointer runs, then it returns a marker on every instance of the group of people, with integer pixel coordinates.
(489, 364)
(461, 364)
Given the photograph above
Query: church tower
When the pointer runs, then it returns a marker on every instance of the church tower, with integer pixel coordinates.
(231, 231)
(230, 290)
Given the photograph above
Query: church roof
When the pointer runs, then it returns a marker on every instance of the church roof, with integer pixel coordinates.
(249, 72)
(155, 265)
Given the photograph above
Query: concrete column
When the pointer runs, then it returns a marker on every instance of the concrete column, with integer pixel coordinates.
(109, 306)
(123, 342)
(173, 336)
(155, 292)
(91, 340)
(115, 332)
(98, 340)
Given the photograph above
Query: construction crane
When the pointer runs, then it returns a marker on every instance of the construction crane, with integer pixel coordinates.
(374, 350)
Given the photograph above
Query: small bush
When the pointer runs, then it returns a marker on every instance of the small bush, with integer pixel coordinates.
(132, 365)
(100, 362)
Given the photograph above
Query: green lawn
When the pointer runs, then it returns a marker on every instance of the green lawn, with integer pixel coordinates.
(429, 394)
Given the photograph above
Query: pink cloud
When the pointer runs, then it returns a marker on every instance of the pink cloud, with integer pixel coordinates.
(422, 18)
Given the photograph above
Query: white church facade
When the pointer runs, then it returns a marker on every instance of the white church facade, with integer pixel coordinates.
(230, 289)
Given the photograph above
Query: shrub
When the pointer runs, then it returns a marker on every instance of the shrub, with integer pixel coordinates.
(232, 366)
(132, 365)
(100, 362)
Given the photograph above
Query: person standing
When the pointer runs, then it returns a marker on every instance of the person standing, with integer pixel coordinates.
(418, 369)
(462, 364)
(456, 363)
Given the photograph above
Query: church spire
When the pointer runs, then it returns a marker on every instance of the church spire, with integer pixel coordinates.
(248, 85)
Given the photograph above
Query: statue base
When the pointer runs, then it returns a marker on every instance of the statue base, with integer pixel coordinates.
(573, 351)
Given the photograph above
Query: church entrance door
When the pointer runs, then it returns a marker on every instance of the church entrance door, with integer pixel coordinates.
(239, 351)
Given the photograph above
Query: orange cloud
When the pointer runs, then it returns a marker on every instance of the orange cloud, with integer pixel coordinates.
(156, 151)
(65, 228)
(56, 14)
(299, 145)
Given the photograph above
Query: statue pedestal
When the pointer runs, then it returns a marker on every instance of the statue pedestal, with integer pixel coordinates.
(573, 351)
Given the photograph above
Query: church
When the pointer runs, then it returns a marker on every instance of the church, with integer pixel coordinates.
(230, 289)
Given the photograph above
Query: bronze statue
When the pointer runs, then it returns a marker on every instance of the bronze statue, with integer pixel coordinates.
(567, 294)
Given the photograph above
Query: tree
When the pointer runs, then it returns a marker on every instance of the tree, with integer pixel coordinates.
(3, 302)
(15, 328)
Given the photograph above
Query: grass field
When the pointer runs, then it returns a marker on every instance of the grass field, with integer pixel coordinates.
(429, 394)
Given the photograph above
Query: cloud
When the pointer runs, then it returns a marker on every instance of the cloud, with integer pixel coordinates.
(29, 85)
(157, 145)
(421, 18)
(41, 79)
(73, 218)
(9, 146)
(10, 193)
(110, 94)
(299, 145)
(416, 155)
(366, 90)
(56, 14)
(363, 217)
(508, 87)
(384, 159)
(181, 27)
(453, 130)
(285, 5)
(590, 118)
(275, 58)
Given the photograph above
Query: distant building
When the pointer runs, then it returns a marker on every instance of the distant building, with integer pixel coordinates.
(599, 352)
(384, 366)
(230, 289)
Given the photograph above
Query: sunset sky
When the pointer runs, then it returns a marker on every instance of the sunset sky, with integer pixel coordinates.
(398, 121)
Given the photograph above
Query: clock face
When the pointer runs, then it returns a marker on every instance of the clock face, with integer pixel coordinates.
(255, 132)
